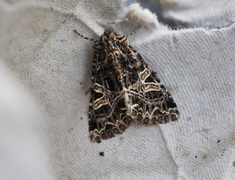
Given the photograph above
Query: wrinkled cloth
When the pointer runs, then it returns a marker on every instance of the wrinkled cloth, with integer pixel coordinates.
(45, 72)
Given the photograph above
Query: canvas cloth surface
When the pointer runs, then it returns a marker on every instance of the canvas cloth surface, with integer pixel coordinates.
(45, 70)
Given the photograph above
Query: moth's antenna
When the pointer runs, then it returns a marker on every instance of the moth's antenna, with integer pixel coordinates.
(84, 37)
(133, 32)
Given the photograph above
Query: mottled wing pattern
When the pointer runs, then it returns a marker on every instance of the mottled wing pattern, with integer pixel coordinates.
(107, 109)
(148, 100)
(124, 90)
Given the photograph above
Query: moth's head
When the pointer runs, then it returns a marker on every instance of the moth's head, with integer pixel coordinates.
(109, 37)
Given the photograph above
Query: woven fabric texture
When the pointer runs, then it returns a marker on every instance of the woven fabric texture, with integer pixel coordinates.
(45, 71)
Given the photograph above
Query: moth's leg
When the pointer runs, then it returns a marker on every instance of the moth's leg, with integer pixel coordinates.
(88, 90)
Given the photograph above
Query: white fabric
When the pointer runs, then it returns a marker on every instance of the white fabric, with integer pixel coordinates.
(40, 51)
(200, 13)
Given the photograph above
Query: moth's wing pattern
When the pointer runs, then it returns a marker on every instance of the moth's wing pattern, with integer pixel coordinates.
(124, 89)
(149, 101)
(107, 109)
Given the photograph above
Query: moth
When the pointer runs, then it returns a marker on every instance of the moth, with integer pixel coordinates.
(124, 89)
